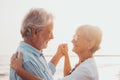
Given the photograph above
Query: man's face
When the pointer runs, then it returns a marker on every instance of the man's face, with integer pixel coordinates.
(44, 36)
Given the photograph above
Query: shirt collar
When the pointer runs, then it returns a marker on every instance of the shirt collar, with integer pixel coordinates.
(33, 50)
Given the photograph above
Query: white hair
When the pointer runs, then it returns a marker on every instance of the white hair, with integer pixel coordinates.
(92, 33)
(37, 18)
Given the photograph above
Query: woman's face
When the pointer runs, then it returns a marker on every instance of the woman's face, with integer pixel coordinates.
(80, 44)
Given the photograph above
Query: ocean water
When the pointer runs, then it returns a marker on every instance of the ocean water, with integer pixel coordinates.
(108, 67)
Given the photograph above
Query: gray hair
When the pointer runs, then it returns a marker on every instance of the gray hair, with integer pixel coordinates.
(37, 18)
(92, 33)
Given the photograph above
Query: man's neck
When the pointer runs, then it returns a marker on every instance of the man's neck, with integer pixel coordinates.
(31, 43)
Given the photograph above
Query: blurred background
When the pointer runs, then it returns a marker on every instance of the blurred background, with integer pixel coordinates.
(68, 15)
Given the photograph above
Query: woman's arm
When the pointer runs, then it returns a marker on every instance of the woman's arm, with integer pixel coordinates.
(27, 76)
(67, 66)
(16, 64)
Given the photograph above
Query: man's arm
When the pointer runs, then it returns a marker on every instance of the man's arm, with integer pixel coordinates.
(56, 58)
(58, 55)
(62, 51)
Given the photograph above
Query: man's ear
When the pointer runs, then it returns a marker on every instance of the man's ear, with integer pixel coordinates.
(33, 32)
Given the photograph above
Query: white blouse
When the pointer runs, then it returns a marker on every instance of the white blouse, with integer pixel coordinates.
(87, 70)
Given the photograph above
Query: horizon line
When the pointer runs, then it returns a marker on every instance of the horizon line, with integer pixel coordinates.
(94, 55)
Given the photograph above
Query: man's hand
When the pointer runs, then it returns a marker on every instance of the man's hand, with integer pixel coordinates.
(62, 49)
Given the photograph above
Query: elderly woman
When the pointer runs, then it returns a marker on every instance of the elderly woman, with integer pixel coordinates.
(86, 42)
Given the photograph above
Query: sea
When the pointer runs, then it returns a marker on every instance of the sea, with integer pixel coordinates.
(108, 66)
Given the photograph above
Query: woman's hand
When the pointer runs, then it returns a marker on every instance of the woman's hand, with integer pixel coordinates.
(62, 49)
(16, 62)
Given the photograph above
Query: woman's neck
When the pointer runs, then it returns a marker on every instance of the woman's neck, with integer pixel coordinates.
(84, 56)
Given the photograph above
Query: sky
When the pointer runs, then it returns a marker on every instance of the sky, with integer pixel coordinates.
(68, 15)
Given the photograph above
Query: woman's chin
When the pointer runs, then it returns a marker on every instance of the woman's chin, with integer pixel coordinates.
(74, 51)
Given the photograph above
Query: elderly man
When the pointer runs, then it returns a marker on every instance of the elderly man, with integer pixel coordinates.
(36, 31)
(86, 42)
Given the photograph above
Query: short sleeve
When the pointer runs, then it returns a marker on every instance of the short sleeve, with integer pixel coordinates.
(33, 68)
(52, 67)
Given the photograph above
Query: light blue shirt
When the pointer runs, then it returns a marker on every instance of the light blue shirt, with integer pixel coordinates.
(34, 62)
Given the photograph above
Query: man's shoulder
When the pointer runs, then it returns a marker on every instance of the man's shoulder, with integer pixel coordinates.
(27, 55)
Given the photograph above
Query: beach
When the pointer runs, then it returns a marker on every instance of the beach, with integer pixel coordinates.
(108, 67)
(4, 66)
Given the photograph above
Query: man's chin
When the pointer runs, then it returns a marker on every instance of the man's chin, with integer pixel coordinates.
(45, 47)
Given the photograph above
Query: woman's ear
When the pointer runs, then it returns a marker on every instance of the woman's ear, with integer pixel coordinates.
(91, 44)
